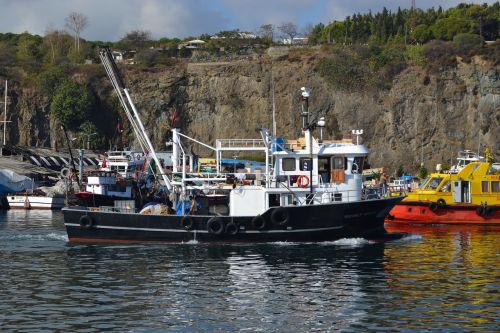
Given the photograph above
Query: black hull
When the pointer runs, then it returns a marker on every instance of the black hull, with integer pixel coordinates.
(315, 223)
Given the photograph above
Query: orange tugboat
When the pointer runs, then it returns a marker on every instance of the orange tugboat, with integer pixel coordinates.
(467, 194)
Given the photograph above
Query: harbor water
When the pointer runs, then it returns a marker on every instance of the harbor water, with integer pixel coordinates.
(438, 279)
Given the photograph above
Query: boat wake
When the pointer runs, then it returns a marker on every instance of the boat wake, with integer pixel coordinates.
(34, 237)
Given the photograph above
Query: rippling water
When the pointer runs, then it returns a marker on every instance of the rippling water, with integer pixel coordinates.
(440, 279)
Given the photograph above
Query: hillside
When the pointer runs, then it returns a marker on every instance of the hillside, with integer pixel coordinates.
(444, 110)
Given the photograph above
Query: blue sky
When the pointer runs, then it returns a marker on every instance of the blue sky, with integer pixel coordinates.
(110, 19)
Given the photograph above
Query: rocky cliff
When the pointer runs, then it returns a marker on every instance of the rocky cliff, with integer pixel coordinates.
(421, 116)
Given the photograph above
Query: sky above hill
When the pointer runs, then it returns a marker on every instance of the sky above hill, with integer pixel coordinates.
(109, 20)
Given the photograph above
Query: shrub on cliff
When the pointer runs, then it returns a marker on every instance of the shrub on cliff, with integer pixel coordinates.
(71, 104)
(344, 71)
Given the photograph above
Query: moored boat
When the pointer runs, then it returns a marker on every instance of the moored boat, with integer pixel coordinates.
(467, 194)
(34, 201)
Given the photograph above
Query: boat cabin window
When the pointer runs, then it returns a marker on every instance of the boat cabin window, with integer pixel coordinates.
(423, 183)
(495, 187)
(485, 186)
(433, 183)
(305, 164)
(446, 187)
(274, 199)
(288, 164)
(324, 168)
(287, 200)
(339, 163)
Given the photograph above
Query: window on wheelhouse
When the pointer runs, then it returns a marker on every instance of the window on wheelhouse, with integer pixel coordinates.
(339, 164)
(288, 164)
(324, 168)
(274, 199)
(423, 183)
(305, 164)
(446, 187)
(433, 183)
(485, 186)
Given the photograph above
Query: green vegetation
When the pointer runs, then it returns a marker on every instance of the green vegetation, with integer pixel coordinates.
(71, 104)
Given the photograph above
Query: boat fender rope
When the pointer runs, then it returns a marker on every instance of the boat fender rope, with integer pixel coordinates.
(258, 222)
(280, 216)
(303, 181)
(187, 223)
(232, 229)
(215, 226)
(86, 222)
(433, 206)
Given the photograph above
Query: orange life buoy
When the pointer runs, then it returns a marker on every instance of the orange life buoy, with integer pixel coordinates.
(303, 181)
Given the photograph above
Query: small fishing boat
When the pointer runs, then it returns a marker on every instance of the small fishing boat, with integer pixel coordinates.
(103, 188)
(308, 190)
(469, 193)
(35, 200)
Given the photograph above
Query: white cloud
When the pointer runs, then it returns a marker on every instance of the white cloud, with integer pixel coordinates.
(111, 19)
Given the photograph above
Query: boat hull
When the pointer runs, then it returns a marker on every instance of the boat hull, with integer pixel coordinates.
(34, 202)
(415, 212)
(278, 224)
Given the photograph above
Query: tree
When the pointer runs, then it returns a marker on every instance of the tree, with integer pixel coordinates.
(449, 27)
(28, 47)
(421, 33)
(422, 172)
(289, 29)
(76, 22)
(135, 39)
(71, 104)
(267, 31)
(56, 43)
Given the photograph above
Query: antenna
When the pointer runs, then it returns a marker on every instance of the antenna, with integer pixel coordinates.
(358, 133)
(274, 105)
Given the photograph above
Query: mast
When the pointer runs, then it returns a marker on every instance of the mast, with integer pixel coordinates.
(127, 104)
(5, 114)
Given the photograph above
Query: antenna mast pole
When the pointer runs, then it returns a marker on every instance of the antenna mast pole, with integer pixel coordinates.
(5, 114)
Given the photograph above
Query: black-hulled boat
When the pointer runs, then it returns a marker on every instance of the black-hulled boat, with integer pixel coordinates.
(313, 192)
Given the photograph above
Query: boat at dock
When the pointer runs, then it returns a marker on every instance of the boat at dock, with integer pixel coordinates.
(308, 190)
(35, 200)
(468, 194)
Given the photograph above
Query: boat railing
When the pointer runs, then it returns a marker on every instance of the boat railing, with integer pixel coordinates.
(240, 144)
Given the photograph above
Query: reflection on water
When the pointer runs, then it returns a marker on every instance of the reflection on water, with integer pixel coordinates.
(445, 280)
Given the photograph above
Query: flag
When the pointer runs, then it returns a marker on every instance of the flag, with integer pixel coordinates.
(173, 119)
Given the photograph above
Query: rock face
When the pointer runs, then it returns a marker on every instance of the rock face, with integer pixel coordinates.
(421, 118)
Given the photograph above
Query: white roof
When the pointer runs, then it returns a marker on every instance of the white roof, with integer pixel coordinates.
(196, 41)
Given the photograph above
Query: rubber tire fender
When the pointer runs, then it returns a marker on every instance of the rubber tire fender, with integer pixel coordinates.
(488, 210)
(258, 222)
(86, 222)
(433, 206)
(441, 203)
(215, 226)
(280, 216)
(480, 211)
(187, 223)
(232, 229)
